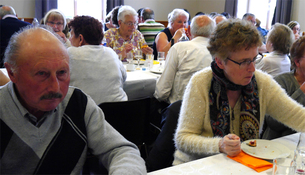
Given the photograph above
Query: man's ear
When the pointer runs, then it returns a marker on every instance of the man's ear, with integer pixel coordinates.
(10, 72)
(220, 63)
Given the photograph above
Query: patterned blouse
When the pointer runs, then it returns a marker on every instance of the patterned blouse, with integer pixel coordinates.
(116, 41)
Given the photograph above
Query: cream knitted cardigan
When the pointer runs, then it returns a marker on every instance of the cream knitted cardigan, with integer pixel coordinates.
(194, 136)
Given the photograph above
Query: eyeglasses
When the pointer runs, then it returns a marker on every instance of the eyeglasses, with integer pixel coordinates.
(246, 63)
(53, 23)
(130, 24)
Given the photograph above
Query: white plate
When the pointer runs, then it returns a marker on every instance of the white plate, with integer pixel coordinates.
(136, 62)
(265, 149)
(157, 71)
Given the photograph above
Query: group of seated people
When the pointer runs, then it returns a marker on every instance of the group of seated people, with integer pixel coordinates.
(57, 79)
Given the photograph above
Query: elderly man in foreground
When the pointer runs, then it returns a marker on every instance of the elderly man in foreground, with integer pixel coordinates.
(49, 124)
(184, 59)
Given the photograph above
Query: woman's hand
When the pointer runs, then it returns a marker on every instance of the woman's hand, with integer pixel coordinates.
(147, 50)
(127, 48)
(62, 35)
(178, 34)
(230, 145)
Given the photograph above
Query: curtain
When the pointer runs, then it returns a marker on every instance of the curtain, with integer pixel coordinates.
(282, 11)
(231, 7)
(43, 6)
(113, 3)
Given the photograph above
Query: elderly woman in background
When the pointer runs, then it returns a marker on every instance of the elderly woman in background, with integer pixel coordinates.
(295, 27)
(57, 20)
(126, 38)
(294, 84)
(279, 40)
(177, 21)
(95, 69)
(227, 102)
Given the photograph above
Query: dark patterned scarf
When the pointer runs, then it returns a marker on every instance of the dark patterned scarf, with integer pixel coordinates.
(220, 109)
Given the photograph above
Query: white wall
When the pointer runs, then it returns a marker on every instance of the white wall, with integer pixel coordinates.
(23, 8)
(26, 8)
(298, 13)
(163, 7)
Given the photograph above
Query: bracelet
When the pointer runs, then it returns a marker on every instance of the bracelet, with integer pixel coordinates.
(172, 41)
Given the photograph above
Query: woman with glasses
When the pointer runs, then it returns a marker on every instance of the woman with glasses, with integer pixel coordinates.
(57, 20)
(279, 40)
(177, 21)
(294, 84)
(227, 102)
(126, 38)
(295, 27)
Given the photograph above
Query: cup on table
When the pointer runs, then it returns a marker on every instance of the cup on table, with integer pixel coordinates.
(161, 58)
(283, 166)
(130, 67)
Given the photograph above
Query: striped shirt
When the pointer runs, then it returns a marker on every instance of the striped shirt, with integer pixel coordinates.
(149, 29)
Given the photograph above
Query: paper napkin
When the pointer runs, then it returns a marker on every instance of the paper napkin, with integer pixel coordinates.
(257, 164)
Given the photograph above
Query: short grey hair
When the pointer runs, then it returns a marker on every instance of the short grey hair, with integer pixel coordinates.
(126, 10)
(248, 14)
(205, 30)
(14, 45)
(281, 37)
(57, 13)
(172, 16)
(4, 11)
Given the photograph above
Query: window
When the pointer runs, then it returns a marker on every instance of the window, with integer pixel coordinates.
(94, 8)
(262, 9)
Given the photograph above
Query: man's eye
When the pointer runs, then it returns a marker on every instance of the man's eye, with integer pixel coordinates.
(41, 73)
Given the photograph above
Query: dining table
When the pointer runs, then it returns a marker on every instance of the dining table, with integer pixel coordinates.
(139, 83)
(220, 164)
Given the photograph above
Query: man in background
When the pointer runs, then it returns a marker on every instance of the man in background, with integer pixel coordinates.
(47, 127)
(184, 59)
(251, 18)
(9, 24)
(149, 28)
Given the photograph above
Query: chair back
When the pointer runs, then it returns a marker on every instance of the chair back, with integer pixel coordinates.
(129, 118)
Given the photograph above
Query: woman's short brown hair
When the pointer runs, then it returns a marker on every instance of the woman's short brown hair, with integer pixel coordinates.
(297, 50)
(233, 35)
(89, 27)
(281, 37)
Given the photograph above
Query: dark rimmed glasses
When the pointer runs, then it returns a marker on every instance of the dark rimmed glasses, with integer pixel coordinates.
(246, 63)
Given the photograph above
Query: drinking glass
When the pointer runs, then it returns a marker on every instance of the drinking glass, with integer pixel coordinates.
(161, 59)
(299, 156)
(138, 56)
(283, 166)
(129, 57)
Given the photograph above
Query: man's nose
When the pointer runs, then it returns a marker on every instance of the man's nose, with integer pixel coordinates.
(53, 83)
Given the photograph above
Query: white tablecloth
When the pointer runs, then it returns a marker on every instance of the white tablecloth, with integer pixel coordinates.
(139, 84)
(220, 164)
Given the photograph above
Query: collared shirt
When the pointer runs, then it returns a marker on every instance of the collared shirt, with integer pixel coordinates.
(274, 63)
(9, 16)
(182, 61)
(34, 140)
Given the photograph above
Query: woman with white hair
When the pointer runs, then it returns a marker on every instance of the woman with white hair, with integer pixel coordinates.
(126, 38)
(57, 20)
(177, 21)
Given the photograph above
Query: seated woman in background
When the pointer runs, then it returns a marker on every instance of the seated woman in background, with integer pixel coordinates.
(295, 27)
(95, 69)
(177, 21)
(226, 103)
(3, 79)
(126, 38)
(279, 40)
(57, 20)
(294, 84)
